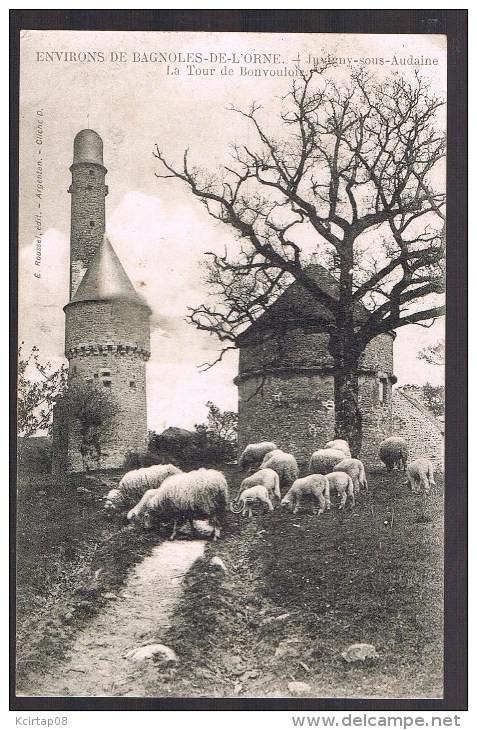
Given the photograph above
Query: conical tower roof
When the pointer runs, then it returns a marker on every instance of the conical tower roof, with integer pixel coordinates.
(297, 306)
(105, 279)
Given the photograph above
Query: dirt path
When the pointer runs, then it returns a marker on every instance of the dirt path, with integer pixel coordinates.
(139, 616)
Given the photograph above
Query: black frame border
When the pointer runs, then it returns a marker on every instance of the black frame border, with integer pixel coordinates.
(452, 23)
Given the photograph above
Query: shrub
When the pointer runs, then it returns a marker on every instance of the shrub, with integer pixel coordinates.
(212, 443)
(140, 459)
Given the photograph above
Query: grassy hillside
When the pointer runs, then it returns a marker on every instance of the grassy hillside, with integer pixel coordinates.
(34, 455)
(373, 574)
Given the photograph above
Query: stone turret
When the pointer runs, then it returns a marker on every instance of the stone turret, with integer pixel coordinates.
(88, 192)
(107, 333)
(106, 310)
(286, 384)
(107, 345)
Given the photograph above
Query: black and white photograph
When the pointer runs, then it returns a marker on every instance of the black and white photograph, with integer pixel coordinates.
(231, 350)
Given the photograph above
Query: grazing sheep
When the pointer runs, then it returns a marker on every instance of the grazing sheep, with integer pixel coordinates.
(393, 452)
(131, 488)
(271, 455)
(339, 444)
(355, 469)
(137, 512)
(323, 460)
(253, 454)
(257, 493)
(197, 495)
(285, 466)
(135, 483)
(341, 483)
(420, 474)
(315, 486)
(268, 477)
(155, 474)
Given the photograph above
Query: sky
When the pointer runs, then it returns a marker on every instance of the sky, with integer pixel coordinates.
(125, 87)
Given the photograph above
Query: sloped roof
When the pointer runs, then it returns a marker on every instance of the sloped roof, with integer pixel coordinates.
(298, 306)
(421, 408)
(106, 280)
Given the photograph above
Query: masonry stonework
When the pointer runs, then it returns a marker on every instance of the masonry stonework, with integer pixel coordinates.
(91, 323)
(286, 391)
(123, 375)
(424, 434)
(88, 210)
(107, 332)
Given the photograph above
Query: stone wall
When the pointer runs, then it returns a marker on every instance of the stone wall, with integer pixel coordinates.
(122, 376)
(292, 348)
(296, 347)
(91, 323)
(107, 344)
(286, 393)
(375, 404)
(424, 433)
(296, 411)
(88, 191)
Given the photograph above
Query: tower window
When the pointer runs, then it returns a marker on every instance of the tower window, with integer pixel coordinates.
(107, 383)
(96, 375)
(382, 391)
(132, 384)
(91, 224)
(91, 172)
(105, 373)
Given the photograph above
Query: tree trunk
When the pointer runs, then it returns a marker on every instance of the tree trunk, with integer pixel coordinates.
(345, 350)
(348, 419)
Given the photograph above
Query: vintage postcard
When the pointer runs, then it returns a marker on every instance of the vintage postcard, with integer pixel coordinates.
(231, 365)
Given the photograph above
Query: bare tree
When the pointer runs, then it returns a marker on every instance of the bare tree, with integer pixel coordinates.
(39, 385)
(346, 179)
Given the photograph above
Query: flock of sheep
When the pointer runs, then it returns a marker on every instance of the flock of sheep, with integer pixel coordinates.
(163, 493)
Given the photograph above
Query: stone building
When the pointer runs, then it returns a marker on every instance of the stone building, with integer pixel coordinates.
(285, 378)
(423, 432)
(107, 334)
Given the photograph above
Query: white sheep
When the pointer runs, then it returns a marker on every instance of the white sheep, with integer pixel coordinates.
(285, 466)
(355, 469)
(323, 460)
(342, 484)
(420, 474)
(315, 486)
(197, 495)
(271, 455)
(339, 444)
(268, 477)
(258, 493)
(137, 512)
(393, 452)
(253, 454)
(135, 483)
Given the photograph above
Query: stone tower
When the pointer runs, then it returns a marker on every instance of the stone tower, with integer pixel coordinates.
(88, 193)
(285, 380)
(107, 335)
